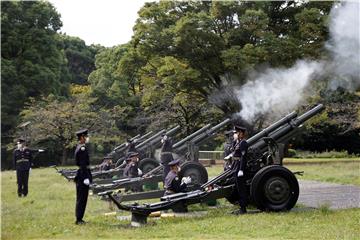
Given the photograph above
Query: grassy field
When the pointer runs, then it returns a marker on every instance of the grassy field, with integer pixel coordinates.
(48, 213)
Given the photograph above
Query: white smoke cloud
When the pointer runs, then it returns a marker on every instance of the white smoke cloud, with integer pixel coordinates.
(276, 91)
(344, 45)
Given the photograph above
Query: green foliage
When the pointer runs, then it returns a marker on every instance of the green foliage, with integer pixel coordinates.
(32, 62)
(57, 119)
(80, 58)
(337, 128)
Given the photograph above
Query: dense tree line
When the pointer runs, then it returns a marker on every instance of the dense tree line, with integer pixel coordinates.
(177, 69)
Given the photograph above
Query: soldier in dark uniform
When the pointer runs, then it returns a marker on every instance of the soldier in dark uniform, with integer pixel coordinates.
(240, 148)
(83, 176)
(166, 155)
(228, 149)
(132, 170)
(106, 164)
(22, 164)
(172, 182)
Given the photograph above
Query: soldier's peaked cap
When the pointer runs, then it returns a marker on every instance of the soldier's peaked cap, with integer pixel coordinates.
(238, 128)
(132, 154)
(21, 139)
(174, 162)
(82, 132)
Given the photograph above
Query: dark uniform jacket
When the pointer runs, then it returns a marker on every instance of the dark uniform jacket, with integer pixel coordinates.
(240, 149)
(22, 159)
(83, 161)
(166, 152)
(173, 183)
(131, 170)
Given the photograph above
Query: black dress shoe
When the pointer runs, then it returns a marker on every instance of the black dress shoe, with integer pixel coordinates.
(80, 222)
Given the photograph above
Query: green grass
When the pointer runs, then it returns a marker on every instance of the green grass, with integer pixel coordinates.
(48, 213)
(336, 172)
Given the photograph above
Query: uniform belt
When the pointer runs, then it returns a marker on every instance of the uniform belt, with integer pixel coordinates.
(22, 160)
(236, 158)
(166, 153)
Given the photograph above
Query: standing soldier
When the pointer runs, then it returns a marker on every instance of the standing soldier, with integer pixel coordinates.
(22, 164)
(83, 176)
(166, 155)
(172, 182)
(240, 147)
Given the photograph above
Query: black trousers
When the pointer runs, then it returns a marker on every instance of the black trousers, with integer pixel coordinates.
(242, 193)
(22, 181)
(82, 192)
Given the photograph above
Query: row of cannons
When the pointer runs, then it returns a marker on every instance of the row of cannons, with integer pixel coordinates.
(270, 185)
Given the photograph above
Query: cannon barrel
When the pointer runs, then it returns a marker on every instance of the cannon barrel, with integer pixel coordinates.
(272, 127)
(212, 130)
(204, 135)
(123, 145)
(143, 137)
(172, 131)
(154, 139)
(150, 139)
(184, 140)
(286, 131)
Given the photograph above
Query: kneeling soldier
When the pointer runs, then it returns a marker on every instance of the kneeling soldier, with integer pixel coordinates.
(132, 169)
(172, 181)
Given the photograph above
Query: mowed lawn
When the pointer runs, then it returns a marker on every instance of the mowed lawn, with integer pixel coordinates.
(48, 213)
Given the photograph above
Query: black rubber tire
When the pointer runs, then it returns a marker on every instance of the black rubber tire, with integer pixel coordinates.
(148, 164)
(274, 188)
(196, 171)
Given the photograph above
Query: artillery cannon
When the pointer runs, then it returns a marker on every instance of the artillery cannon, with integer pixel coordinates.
(145, 147)
(186, 150)
(271, 186)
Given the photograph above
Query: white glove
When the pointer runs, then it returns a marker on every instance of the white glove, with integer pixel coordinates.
(186, 180)
(41, 150)
(228, 156)
(240, 173)
(140, 172)
(86, 181)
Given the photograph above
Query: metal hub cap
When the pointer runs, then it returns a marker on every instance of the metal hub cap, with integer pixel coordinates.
(277, 190)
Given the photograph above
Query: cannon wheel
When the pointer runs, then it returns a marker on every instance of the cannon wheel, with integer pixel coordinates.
(196, 171)
(274, 188)
(148, 164)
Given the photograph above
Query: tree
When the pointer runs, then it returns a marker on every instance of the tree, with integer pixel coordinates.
(57, 119)
(220, 39)
(80, 58)
(32, 62)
